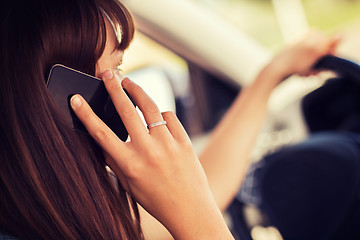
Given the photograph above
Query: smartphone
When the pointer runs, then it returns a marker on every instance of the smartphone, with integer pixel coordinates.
(63, 82)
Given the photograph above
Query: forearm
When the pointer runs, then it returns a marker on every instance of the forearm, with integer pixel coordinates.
(225, 159)
(153, 229)
(203, 222)
(195, 218)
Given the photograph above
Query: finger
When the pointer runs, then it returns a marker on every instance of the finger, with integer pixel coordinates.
(102, 134)
(175, 127)
(335, 43)
(146, 105)
(123, 105)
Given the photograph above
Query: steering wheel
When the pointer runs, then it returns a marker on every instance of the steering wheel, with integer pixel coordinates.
(344, 68)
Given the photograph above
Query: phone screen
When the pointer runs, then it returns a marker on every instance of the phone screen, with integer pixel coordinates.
(63, 82)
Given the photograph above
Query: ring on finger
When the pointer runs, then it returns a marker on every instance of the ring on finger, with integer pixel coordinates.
(156, 124)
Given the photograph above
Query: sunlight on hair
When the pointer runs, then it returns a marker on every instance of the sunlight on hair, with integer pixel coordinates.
(116, 27)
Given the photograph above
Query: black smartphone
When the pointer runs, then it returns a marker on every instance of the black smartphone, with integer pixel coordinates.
(63, 82)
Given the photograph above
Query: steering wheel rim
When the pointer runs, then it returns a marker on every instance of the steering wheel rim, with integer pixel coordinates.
(343, 67)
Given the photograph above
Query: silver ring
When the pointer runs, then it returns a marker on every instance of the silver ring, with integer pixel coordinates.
(155, 124)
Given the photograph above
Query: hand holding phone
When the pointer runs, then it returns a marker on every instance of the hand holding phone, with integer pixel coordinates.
(158, 166)
(63, 82)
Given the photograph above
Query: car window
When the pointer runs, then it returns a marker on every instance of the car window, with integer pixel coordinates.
(199, 97)
(266, 20)
(144, 52)
(256, 17)
(198, 77)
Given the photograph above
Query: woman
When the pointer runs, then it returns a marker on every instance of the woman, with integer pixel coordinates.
(54, 184)
(53, 180)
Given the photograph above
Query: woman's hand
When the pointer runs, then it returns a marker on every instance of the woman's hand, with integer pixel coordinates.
(300, 57)
(158, 167)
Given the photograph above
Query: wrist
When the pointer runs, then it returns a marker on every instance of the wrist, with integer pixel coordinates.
(269, 77)
(198, 220)
(278, 70)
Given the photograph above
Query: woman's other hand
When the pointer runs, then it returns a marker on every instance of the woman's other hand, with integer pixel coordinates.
(158, 167)
(300, 57)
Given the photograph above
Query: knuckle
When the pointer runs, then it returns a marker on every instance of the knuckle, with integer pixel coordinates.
(171, 147)
(155, 155)
(128, 111)
(85, 114)
(100, 135)
(88, 114)
(187, 145)
(150, 107)
(132, 170)
(169, 116)
(115, 86)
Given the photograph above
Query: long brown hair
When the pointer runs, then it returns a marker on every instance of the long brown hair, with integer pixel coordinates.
(53, 181)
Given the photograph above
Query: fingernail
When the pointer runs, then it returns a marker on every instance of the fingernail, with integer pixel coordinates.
(125, 81)
(108, 74)
(75, 102)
